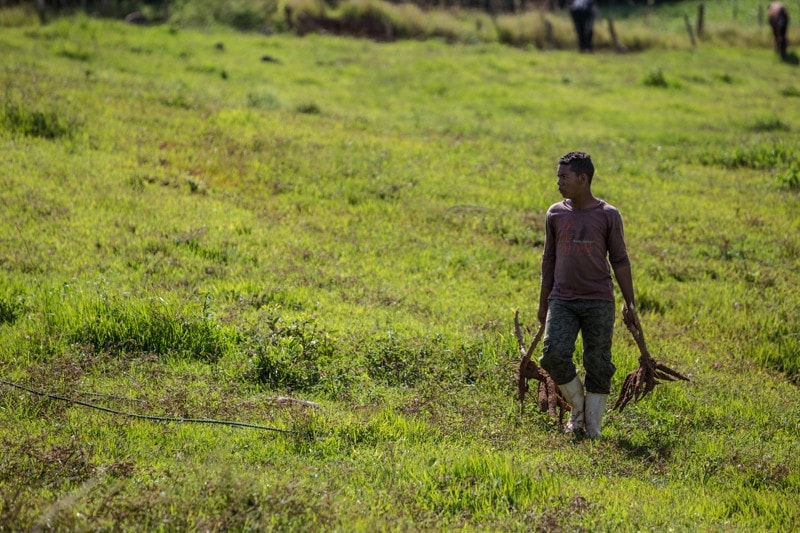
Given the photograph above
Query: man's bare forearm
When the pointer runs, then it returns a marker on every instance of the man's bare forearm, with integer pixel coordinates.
(625, 282)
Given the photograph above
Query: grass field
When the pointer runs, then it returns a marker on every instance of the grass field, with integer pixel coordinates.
(267, 283)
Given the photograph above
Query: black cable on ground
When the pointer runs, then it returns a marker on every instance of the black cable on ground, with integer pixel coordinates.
(145, 417)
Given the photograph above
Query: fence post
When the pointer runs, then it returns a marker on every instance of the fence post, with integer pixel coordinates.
(548, 34)
(617, 46)
(689, 29)
(701, 15)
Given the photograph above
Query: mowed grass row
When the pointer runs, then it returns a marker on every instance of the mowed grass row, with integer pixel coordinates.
(191, 231)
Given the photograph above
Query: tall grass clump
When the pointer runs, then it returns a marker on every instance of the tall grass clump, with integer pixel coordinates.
(756, 156)
(365, 10)
(402, 21)
(32, 122)
(532, 27)
(403, 360)
(16, 16)
(288, 354)
(791, 177)
(244, 15)
(399, 362)
(11, 305)
(656, 78)
(286, 15)
(131, 325)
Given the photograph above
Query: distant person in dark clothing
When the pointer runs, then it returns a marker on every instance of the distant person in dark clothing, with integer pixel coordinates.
(778, 17)
(583, 13)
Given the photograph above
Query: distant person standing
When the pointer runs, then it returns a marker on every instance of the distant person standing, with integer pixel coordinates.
(584, 242)
(583, 13)
(778, 17)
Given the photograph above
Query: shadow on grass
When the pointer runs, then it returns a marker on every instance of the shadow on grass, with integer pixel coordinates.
(792, 59)
(655, 451)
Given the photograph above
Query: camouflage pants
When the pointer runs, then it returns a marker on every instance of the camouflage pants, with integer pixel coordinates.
(595, 321)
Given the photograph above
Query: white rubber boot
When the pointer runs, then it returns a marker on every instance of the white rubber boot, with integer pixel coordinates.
(595, 405)
(573, 392)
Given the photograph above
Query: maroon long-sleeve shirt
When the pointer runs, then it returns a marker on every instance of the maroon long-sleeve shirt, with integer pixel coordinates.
(580, 248)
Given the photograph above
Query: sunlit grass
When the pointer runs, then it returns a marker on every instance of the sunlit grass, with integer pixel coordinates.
(353, 225)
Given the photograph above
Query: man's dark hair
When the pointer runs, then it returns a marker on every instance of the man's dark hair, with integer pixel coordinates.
(579, 162)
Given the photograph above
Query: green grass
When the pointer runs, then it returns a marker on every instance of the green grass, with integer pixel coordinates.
(190, 232)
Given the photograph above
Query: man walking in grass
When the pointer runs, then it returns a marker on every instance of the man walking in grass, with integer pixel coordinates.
(584, 242)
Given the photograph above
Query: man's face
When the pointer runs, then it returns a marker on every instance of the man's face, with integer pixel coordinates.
(569, 183)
